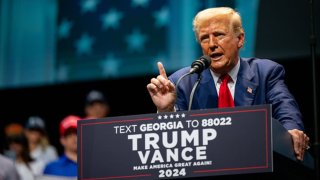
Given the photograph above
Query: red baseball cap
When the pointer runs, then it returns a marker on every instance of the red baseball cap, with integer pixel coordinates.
(68, 122)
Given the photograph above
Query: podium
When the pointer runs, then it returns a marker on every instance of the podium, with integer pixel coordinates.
(229, 143)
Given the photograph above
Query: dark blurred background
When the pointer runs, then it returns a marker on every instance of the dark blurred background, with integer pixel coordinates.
(53, 52)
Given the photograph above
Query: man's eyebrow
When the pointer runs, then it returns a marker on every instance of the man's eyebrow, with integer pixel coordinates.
(203, 36)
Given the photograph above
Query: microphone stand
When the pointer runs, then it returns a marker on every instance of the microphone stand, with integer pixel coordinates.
(178, 82)
(315, 98)
(193, 90)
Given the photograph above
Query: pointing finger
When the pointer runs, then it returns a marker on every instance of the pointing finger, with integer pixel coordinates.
(162, 71)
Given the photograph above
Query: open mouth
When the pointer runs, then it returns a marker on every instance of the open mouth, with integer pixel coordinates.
(216, 56)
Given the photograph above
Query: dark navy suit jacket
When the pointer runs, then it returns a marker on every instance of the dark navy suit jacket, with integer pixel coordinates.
(259, 81)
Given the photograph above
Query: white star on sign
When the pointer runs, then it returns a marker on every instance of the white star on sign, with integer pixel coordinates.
(89, 5)
(136, 41)
(162, 17)
(159, 117)
(171, 116)
(183, 115)
(111, 19)
(165, 117)
(84, 44)
(177, 115)
(64, 28)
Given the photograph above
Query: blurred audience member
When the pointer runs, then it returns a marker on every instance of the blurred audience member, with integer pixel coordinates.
(12, 130)
(66, 165)
(18, 150)
(8, 170)
(39, 145)
(96, 105)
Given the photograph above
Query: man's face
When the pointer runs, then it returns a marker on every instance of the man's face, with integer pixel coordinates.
(97, 110)
(218, 40)
(69, 140)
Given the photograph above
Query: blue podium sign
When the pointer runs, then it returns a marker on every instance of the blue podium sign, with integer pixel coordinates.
(179, 144)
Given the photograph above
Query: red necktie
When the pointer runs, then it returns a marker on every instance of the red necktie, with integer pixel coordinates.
(225, 97)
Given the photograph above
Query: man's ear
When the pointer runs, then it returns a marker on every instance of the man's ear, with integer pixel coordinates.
(241, 40)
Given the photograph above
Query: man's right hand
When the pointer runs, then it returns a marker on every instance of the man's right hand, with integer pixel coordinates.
(162, 91)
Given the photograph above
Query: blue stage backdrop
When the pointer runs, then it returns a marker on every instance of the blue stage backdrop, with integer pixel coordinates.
(62, 41)
(113, 39)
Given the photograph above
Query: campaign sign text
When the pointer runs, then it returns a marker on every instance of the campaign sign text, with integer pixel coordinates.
(176, 144)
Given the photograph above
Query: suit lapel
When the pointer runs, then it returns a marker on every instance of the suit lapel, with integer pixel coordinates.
(246, 87)
(245, 90)
(207, 96)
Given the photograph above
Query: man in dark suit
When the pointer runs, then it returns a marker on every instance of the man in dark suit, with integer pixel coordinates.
(252, 81)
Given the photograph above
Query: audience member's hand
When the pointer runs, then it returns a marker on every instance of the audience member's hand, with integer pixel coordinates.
(300, 142)
(162, 91)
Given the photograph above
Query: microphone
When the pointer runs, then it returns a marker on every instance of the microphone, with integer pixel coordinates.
(196, 67)
(200, 64)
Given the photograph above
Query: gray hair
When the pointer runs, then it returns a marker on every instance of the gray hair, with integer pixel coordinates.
(210, 13)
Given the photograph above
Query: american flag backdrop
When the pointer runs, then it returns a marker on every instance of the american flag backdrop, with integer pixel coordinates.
(108, 38)
(99, 39)
(59, 41)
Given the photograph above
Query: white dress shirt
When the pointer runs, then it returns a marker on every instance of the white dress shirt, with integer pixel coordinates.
(232, 83)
